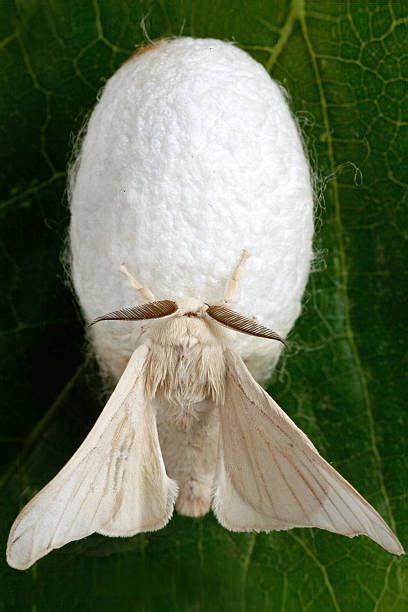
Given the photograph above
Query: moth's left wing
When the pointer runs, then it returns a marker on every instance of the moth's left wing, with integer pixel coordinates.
(271, 477)
(115, 484)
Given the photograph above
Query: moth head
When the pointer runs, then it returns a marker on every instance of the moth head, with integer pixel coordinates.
(192, 307)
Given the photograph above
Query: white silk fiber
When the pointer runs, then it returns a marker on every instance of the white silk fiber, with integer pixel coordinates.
(191, 155)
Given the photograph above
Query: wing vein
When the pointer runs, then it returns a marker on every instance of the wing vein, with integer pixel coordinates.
(257, 470)
(277, 478)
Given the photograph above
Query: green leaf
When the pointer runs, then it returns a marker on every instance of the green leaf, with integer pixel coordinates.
(342, 64)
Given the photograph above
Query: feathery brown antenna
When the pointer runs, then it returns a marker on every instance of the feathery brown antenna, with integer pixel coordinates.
(242, 324)
(151, 310)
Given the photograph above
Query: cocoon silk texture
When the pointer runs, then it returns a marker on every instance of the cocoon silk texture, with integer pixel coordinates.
(190, 156)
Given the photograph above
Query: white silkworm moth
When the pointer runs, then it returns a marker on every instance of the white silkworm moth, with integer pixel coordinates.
(232, 447)
(190, 154)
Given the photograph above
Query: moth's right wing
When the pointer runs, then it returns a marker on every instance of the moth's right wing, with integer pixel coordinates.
(271, 477)
(115, 484)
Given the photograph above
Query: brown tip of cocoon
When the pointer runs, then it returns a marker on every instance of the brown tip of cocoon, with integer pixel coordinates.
(145, 47)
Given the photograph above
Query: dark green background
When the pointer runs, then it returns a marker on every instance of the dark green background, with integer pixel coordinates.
(342, 381)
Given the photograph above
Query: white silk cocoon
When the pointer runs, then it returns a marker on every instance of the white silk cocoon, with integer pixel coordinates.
(190, 156)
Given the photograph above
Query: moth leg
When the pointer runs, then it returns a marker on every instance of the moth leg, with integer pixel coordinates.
(146, 294)
(232, 284)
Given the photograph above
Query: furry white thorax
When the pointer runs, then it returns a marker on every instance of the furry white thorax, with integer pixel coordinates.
(186, 362)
